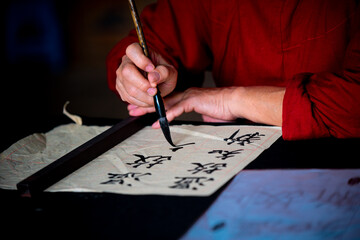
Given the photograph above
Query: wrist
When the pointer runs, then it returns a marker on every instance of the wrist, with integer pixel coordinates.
(262, 104)
(233, 98)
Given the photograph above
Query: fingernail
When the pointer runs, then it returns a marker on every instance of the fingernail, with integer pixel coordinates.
(149, 68)
(156, 76)
(151, 91)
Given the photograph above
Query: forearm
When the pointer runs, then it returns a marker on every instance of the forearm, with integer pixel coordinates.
(262, 104)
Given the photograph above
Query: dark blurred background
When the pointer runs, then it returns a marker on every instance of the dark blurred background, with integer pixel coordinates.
(54, 51)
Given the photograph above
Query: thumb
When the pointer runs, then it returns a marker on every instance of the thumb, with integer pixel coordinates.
(165, 77)
(154, 78)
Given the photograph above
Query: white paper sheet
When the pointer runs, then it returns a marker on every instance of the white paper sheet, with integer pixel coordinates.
(207, 157)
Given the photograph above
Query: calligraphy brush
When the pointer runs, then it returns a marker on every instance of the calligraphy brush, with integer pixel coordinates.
(158, 102)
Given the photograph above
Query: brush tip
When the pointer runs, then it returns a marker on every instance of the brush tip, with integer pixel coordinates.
(164, 124)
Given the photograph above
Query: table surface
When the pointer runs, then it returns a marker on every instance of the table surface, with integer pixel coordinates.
(109, 216)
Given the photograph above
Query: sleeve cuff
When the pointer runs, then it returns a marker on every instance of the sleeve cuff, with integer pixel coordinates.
(299, 119)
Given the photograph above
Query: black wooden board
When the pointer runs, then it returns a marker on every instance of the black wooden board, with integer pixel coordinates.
(57, 170)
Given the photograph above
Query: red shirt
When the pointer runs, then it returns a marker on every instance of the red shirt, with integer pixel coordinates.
(310, 47)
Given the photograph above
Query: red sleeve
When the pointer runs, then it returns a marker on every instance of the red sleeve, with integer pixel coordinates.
(169, 30)
(325, 104)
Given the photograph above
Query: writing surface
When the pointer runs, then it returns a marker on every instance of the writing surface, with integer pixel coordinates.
(205, 158)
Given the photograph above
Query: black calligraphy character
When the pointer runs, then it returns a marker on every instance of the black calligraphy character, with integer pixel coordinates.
(242, 140)
(153, 160)
(230, 139)
(174, 149)
(226, 154)
(120, 177)
(189, 182)
(208, 168)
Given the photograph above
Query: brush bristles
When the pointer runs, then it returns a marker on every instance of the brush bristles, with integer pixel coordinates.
(164, 124)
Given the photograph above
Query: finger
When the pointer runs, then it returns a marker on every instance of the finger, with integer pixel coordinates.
(179, 108)
(173, 99)
(131, 107)
(169, 102)
(139, 111)
(136, 55)
(154, 78)
(176, 97)
(132, 85)
(130, 75)
(156, 125)
(138, 101)
(164, 76)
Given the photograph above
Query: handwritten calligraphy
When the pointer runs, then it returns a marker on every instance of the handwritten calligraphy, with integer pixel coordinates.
(243, 139)
(153, 160)
(207, 167)
(178, 147)
(224, 154)
(120, 178)
(198, 167)
(190, 182)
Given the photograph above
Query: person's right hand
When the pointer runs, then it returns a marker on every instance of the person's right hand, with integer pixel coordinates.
(131, 84)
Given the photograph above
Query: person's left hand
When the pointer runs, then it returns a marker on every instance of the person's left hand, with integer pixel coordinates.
(212, 103)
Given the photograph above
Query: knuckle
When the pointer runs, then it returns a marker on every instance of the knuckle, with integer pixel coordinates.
(188, 91)
(144, 85)
(132, 91)
(121, 94)
(124, 58)
(123, 98)
(191, 93)
(164, 72)
(118, 86)
(120, 90)
(172, 70)
(118, 72)
(126, 71)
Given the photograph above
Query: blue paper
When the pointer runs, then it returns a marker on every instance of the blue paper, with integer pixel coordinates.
(285, 204)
